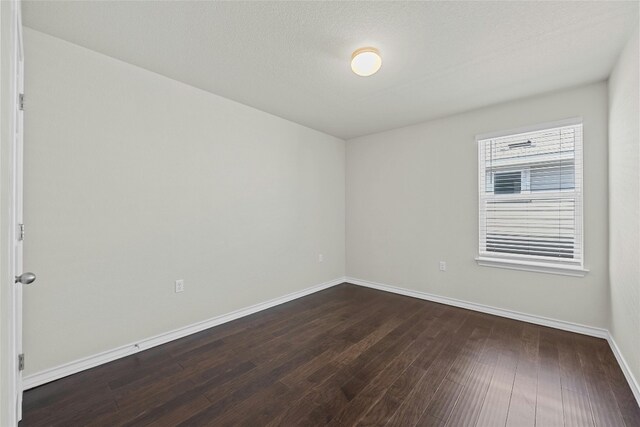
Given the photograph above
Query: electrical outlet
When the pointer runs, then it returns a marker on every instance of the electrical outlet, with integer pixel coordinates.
(443, 266)
(320, 258)
(179, 285)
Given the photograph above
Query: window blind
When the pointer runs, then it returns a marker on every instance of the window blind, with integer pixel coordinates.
(531, 196)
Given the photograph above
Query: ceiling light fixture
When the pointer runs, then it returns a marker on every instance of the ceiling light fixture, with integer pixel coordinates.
(366, 61)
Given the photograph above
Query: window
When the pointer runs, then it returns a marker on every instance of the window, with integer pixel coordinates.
(531, 199)
(507, 182)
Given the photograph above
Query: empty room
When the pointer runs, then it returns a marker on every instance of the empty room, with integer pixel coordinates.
(305, 213)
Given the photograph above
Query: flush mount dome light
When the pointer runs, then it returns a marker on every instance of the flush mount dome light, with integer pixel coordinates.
(366, 61)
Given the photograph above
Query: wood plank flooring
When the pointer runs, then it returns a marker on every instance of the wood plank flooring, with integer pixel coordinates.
(351, 356)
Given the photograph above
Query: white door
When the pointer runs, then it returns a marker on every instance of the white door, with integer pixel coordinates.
(21, 278)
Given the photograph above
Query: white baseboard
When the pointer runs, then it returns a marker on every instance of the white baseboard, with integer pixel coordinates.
(633, 383)
(529, 318)
(79, 365)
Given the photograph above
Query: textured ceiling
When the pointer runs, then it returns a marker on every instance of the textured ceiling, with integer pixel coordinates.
(291, 59)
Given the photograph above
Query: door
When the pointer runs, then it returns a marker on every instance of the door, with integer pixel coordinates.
(17, 224)
(18, 208)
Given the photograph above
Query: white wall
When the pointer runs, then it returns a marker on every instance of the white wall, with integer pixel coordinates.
(133, 180)
(412, 200)
(624, 204)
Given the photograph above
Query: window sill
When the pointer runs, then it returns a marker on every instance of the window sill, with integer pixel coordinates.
(538, 267)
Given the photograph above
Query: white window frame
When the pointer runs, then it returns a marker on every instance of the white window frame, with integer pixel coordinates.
(529, 262)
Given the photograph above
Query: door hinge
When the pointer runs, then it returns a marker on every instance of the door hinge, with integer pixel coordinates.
(20, 232)
(21, 101)
(21, 362)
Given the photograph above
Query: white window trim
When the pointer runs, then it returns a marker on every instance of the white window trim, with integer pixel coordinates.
(537, 267)
(532, 128)
(512, 263)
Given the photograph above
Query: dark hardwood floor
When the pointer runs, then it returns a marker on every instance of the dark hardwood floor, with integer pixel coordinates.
(352, 356)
